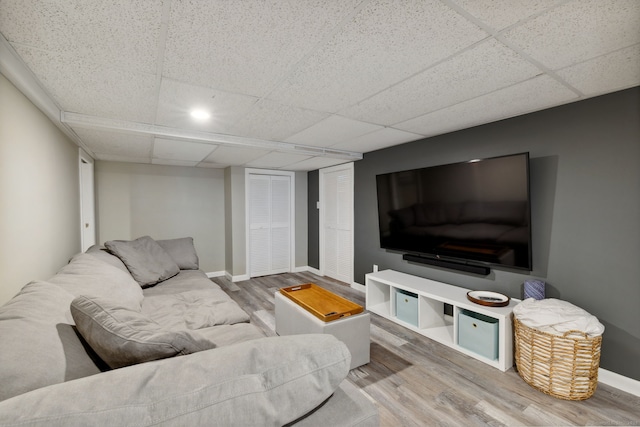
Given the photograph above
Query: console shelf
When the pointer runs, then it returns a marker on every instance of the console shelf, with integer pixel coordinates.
(432, 320)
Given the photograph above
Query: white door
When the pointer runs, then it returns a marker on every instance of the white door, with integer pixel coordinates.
(336, 222)
(269, 224)
(87, 204)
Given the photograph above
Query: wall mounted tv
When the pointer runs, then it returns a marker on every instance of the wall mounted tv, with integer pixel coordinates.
(469, 216)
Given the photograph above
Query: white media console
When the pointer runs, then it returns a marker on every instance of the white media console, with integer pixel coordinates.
(432, 321)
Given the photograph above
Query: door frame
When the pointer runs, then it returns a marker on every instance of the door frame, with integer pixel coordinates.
(292, 212)
(322, 172)
(84, 183)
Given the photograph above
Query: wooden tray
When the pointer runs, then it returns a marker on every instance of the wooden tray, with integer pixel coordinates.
(323, 304)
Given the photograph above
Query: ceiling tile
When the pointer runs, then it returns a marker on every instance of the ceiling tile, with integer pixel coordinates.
(173, 162)
(383, 44)
(314, 163)
(276, 160)
(608, 73)
(332, 130)
(533, 95)
(234, 155)
(388, 71)
(500, 14)
(122, 158)
(274, 121)
(115, 143)
(578, 31)
(487, 67)
(382, 138)
(169, 149)
(212, 165)
(46, 25)
(91, 31)
(246, 47)
(178, 99)
(84, 87)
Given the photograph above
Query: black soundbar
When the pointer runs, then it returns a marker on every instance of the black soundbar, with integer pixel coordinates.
(476, 269)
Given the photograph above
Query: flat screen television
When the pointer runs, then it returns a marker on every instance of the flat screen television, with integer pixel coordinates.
(474, 213)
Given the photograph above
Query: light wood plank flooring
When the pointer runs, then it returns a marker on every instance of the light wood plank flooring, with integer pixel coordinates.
(418, 382)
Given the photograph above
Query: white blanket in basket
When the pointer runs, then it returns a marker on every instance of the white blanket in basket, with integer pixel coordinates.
(557, 317)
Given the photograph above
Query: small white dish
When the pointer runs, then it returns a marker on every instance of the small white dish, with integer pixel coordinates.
(488, 298)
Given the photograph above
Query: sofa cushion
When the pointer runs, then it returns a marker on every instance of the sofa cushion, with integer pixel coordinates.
(224, 335)
(268, 382)
(436, 213)
(39, 347)
(475, 232)
(405, 217)
(505, 212)
(87, 275)
(103, 255)
(515, 235)
(195, 309)
(186, 280)
(123, 337)
(182, 251)
(147, 262)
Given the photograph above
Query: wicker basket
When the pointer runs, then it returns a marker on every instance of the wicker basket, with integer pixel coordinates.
(561, 366)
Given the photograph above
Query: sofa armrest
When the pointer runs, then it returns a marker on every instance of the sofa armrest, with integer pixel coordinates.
(267, 381)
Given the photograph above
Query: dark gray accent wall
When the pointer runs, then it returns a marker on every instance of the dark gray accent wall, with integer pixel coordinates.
(585, 196)
(313, 196)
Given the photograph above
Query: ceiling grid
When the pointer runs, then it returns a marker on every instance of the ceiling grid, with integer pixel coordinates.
(305, 85)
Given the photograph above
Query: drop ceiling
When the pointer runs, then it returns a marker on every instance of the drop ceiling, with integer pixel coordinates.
(301, 85)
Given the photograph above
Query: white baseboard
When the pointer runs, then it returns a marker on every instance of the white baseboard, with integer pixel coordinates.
(307, 268)
(354, 285)
(215, 274)
(237, 278)
(246, 276)
(315, 271)
(358, 287)
(618, 381)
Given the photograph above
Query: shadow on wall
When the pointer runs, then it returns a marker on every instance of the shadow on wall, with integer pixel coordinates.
(72, 345)
(627, 366)
(543, 172)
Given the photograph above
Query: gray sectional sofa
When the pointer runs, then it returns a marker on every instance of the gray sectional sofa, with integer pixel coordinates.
(127, 340)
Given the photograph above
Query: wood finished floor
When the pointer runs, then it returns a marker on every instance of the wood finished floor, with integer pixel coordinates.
(417, 382)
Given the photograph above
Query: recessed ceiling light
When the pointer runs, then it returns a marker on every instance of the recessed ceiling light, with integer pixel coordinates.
(200, 115)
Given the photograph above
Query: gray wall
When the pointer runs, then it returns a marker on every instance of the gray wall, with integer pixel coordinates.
(314, 218)
(164, 202)
(585, 195)
(301, 212)
(234, 203)
(171, 201)
(39, 194)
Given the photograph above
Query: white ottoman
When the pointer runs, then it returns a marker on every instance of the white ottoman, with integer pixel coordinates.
(291, 319)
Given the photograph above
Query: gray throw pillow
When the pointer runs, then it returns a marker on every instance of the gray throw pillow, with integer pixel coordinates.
(102, 254)
(147, 262)
(182, 251)
(123, 337)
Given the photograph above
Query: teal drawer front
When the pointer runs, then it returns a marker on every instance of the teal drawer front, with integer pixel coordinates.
(478, 333)
(407, 306)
